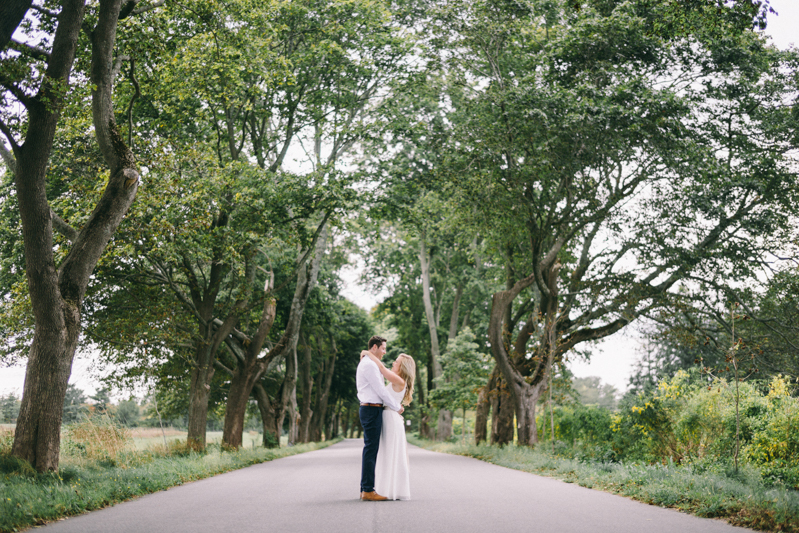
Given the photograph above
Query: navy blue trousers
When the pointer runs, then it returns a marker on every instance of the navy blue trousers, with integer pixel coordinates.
(372, 422)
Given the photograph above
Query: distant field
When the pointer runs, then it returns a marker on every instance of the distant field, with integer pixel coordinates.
(146, 437)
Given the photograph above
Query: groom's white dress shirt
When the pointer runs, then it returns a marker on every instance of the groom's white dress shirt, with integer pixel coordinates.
(371, 387)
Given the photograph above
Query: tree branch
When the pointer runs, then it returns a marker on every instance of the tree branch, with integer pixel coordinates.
(11, 14)
(28, 49)
(10, 136)
(63, 227)
(8, 158)
(44, 11)
(18, 93)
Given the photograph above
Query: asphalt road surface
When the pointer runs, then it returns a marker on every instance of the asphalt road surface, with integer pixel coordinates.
(318, 492)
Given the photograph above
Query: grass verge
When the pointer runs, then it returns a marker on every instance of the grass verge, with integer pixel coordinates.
(740, 498)
(29, 499)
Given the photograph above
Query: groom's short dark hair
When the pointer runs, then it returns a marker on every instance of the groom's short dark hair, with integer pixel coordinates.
(376, 341)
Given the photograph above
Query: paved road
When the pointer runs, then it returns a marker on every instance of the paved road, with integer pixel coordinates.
(318, 492)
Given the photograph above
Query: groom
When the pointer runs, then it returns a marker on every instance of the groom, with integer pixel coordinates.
(373, 396)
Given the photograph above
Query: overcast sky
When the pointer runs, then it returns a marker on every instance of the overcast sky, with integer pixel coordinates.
(612, 359)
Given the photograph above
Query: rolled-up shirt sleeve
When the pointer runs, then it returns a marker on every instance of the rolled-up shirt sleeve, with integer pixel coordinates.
(376, 382)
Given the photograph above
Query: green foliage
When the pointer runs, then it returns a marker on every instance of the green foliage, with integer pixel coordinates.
(466, 371)
(9, 408)
(127, 413)
(690, 420)
(75, 407)
(585, 429)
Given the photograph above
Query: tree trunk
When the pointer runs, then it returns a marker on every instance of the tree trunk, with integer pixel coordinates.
(424, 408)
(444, 426)
(307, 392)
(294, 417)
(483, 409)
(323, 395)
(38, 435)
(502, 406)
(336, 423)
(11, 14)
(345, 427)
(453, 318)
(525, 390)
(287, 391)
(199, 391)
(241, 386)
(271, 437)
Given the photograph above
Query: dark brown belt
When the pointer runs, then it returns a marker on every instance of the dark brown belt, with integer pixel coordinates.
(372, 405)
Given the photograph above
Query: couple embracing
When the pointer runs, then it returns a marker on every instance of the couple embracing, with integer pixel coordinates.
(384, 464)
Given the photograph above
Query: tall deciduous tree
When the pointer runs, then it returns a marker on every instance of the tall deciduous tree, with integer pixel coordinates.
(594, 149)
(57, 290)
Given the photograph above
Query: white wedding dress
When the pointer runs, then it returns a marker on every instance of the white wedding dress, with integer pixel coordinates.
(392, 475)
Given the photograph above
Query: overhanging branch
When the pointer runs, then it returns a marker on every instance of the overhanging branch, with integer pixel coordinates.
(27, 49)
(63, 227)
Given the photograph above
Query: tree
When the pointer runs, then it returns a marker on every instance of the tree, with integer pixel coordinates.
(127, 412)
(102, 401)
(74, 405)
(466, 371)
(592, 391)
(57, 290)
(586, 168)
(9, 408)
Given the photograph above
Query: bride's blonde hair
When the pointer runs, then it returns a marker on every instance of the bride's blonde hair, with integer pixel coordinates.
(407, 371)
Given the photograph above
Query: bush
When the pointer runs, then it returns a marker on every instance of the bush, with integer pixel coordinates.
(688, 420)
(580, 431)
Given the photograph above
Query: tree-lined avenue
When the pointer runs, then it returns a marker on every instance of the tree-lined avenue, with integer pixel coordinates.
(317, 491)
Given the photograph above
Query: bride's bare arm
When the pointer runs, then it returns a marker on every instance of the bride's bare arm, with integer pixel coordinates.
(393, 378)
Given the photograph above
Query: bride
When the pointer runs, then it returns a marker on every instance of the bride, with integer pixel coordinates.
(392, 478)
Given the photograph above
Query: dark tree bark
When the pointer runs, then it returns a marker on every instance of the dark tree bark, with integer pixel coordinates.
(288, 398)
(323, 394)
(502, 406)
(11, 14)
(57, 294)
(483, 409)
(335, 426)
(307, 382)
(525, 379)
(345, 426)
(424, 408)
(212, 333)
(271, 438)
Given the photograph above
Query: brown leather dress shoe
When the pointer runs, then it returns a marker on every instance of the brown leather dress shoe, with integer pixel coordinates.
(372, 497)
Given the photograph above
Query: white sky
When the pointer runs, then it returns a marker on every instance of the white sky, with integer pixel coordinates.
(612, 358)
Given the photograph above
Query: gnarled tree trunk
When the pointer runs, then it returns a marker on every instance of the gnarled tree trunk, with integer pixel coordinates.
(271, 435)
(503, 407)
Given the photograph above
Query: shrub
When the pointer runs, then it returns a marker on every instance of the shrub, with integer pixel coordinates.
(580, 431)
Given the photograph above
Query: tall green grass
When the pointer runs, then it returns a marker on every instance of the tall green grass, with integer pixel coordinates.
(741, 498)
(92, 477)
